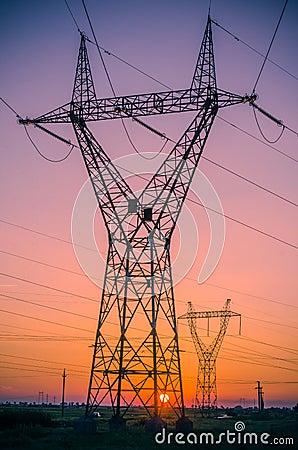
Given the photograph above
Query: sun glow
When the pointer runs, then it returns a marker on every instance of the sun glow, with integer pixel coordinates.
(164, 398)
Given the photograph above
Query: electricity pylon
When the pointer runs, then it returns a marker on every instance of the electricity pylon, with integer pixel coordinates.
(140, 363)
(206, 393)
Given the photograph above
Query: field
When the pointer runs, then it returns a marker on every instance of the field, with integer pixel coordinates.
(42, 428)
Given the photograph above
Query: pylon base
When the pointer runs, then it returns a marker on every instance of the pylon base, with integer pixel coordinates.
(117, 423)
(184, 425)
(85, 425)
(155, 425)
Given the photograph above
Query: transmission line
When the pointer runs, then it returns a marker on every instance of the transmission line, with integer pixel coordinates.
(259, 140)
(68, 312)
(42, 155)
(249, 181)
(164, 85)
(47, 307)
(246, 225)
(45, 264)
(48, 287)
(114, 93)
(44, 320)
(73, 17)
(180, 301)
(269, 48)
(253, 49)
(42, 360)
(230, 218)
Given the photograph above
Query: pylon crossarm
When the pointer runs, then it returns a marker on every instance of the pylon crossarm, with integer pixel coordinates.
(208, 314)
(87, 107)
(139, 105)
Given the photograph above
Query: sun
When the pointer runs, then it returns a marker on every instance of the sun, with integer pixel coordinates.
(164, 398)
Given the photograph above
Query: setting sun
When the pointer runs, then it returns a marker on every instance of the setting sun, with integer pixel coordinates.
(164, 398)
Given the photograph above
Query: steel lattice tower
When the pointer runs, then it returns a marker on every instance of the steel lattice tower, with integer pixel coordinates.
(143, 361)
(206, 393)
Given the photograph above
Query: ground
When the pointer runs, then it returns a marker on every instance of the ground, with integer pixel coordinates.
(43, 429)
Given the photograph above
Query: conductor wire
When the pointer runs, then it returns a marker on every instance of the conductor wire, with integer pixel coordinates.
(269, 48)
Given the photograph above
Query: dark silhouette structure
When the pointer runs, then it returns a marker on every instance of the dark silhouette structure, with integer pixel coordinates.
(206, 393)
(141, 363)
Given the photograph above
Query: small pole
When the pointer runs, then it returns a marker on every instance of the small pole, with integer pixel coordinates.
(63, 391)
(260, 396)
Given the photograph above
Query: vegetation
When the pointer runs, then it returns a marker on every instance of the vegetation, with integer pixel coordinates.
(43, 428)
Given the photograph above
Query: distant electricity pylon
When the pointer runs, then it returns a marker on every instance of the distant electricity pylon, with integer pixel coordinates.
(206, 393)
(139, 361)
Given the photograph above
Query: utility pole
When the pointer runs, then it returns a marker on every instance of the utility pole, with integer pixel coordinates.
(63, 391)
(260, 396)
(206, 393)
(40, 397)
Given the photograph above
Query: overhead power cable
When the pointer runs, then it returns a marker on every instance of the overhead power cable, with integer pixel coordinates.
(45, 320)
(191, 279)
(45, 264)
(42, 360)
(249, 181)
(238, 175)
(39, 233)
(46, 157)
(257, 139)
(182, 338)
(253, 49)
(45, 130)
(10, 107)
(239, 222)
(40, 366)
(271, 322)
(255, 353)
(133, 67)
(30, 329)
(168, 87)
(269, 344)
(87, 248)
(88, 317)
(248, 294)
(269, 48)
(73, 17)
(262, 133)
(114, 93)
(282, 241)
(46, 306)
(99, 51)
(48, 287)
(221, 118)
(109, 53)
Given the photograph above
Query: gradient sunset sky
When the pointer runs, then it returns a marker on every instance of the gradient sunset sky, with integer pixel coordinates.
(39, 45)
